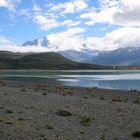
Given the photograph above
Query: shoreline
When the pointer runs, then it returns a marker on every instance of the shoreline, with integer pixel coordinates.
(25, 83)
(63, 70)
(45, 112)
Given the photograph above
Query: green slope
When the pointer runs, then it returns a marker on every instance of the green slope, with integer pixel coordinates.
(9, 60)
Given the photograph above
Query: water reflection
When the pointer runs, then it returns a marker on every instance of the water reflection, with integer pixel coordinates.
(103, 79)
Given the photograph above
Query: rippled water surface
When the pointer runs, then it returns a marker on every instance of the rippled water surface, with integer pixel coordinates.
(85, 78)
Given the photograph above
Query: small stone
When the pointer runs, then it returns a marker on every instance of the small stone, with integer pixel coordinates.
(64, 113)
(8, 123)
(92, 95)
(1, 120)
(102, 98)
(137, 101)
(136, 134)
(85, 121)
(103, 137)
(20, 112)
(21, 119)
(44, 93)
(1, 107)
(42, 135)
(23, 90)
(9, 111)
(85, 97)
(82, 131)
(49, 126)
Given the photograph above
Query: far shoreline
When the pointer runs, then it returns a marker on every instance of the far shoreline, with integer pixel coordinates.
(28, 83)
(100, 70)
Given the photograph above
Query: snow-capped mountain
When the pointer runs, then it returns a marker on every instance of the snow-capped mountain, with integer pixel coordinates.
(43, 42)
(83, 55)
(129, 56)
(122, 56)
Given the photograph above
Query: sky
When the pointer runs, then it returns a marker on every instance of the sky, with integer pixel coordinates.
(70, 24)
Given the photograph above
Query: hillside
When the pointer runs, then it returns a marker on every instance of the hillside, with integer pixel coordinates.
(9, 60)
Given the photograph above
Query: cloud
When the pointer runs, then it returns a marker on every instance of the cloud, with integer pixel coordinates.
(45, 22)
(15, 48)
(70, 7)
(117, 12)
(129, 14)
(71, 39)
(67, 40)
(54, 16)
(119, 38)
(48, 22)
(123, 13)
(4, 40)
(9, 4)
(36, 8)
(70, 23)
(103, 29)
(6, 45)
(24, 12)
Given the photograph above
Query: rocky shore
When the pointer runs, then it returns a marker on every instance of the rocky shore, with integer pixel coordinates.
(31, 111)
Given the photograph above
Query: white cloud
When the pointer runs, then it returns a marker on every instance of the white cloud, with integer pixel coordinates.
(4, 40)
(71, 39)
(36, 8)
(51, 15)
(6, 45)
(72, 6)
(80, 5)
(109, 3)
(119, 38)
(50, 18)
(24, 12)
(48, 22)
(67, 40)
(117, 12)
(124, 13)
(95, 17)
(45, 22)
(9, 4)
(71, 23)
(15, 48)
(128, 14)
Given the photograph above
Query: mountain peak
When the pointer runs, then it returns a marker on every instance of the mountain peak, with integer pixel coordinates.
(41, 42)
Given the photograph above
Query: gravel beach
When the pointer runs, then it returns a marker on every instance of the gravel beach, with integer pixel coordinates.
(31, 111)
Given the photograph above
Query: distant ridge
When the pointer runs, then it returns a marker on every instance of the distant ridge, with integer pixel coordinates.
(129, 56)
(41, 61)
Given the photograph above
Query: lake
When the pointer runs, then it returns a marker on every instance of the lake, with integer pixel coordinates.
(113, 79)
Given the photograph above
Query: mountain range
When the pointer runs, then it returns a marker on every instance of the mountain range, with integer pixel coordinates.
(41, 61)
(129, 56)
(120, 57)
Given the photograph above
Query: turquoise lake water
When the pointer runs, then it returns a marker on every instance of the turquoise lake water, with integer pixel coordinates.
(85, 78)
